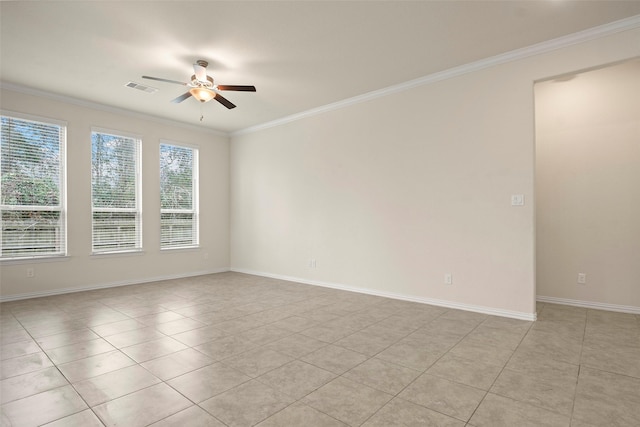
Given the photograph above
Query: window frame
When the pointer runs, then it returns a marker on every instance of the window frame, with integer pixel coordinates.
(62, 250)
(138, 196)
(195, 195)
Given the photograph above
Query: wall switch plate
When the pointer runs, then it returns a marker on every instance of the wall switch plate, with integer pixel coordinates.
(448, 279)
(517, 200)
(312, 263)
(582, 278)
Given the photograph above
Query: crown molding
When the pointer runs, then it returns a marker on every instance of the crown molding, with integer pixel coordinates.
(106, 108)
(514, 55)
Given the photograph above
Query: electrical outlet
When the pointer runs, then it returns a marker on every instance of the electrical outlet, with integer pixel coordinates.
(312, 263)
(31, 272)
(448, 279)
(517, 200)
(582, 278)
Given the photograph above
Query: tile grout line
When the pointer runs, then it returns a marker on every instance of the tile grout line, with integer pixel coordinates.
(191, 292)
(500, 373)
(69, 383)
(425, 372)
(575, 392)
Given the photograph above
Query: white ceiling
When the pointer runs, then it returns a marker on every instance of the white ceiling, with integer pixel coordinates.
(299, 54)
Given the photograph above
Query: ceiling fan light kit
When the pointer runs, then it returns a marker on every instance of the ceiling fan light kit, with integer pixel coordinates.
(202, 87)
(202, 94)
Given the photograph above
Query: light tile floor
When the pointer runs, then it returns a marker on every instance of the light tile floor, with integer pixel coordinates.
(236, 350)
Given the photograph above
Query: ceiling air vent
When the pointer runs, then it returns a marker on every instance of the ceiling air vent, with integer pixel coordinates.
(148, 89)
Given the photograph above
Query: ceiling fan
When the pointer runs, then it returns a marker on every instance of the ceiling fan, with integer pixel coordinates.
(203, 88)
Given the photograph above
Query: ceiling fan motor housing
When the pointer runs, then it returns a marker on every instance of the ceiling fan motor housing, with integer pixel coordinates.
(197, 83)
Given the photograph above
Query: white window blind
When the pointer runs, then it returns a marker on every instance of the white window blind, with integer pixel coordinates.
(115, 193)
(178, 196)
(32, 188)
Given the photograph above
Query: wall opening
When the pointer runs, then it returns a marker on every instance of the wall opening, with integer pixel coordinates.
(588, 188)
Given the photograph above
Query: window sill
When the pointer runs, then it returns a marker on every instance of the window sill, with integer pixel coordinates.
(34, 260)
(117, 254)
(180, 249)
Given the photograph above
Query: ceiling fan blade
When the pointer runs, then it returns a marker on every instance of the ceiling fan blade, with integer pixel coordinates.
(200, 72)
(237, 87)
(181, 97)
(224, 101)
(164, 80)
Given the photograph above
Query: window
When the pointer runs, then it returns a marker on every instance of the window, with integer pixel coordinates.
(178, 196)
(115, 193)
(32, 202)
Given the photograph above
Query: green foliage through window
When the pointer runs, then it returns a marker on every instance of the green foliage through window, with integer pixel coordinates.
(178, 196)
(31, 188)
(115, 198)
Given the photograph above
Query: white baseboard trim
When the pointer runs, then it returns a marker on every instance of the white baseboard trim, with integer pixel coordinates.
(108, 285)
(430, 301)
(590, 304)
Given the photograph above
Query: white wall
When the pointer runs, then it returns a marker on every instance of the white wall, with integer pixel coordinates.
(588, 186)
(390, 194)
(80, 269)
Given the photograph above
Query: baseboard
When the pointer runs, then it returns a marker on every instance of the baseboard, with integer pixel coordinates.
(429, 301)
(590, 304)
(108, 285)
